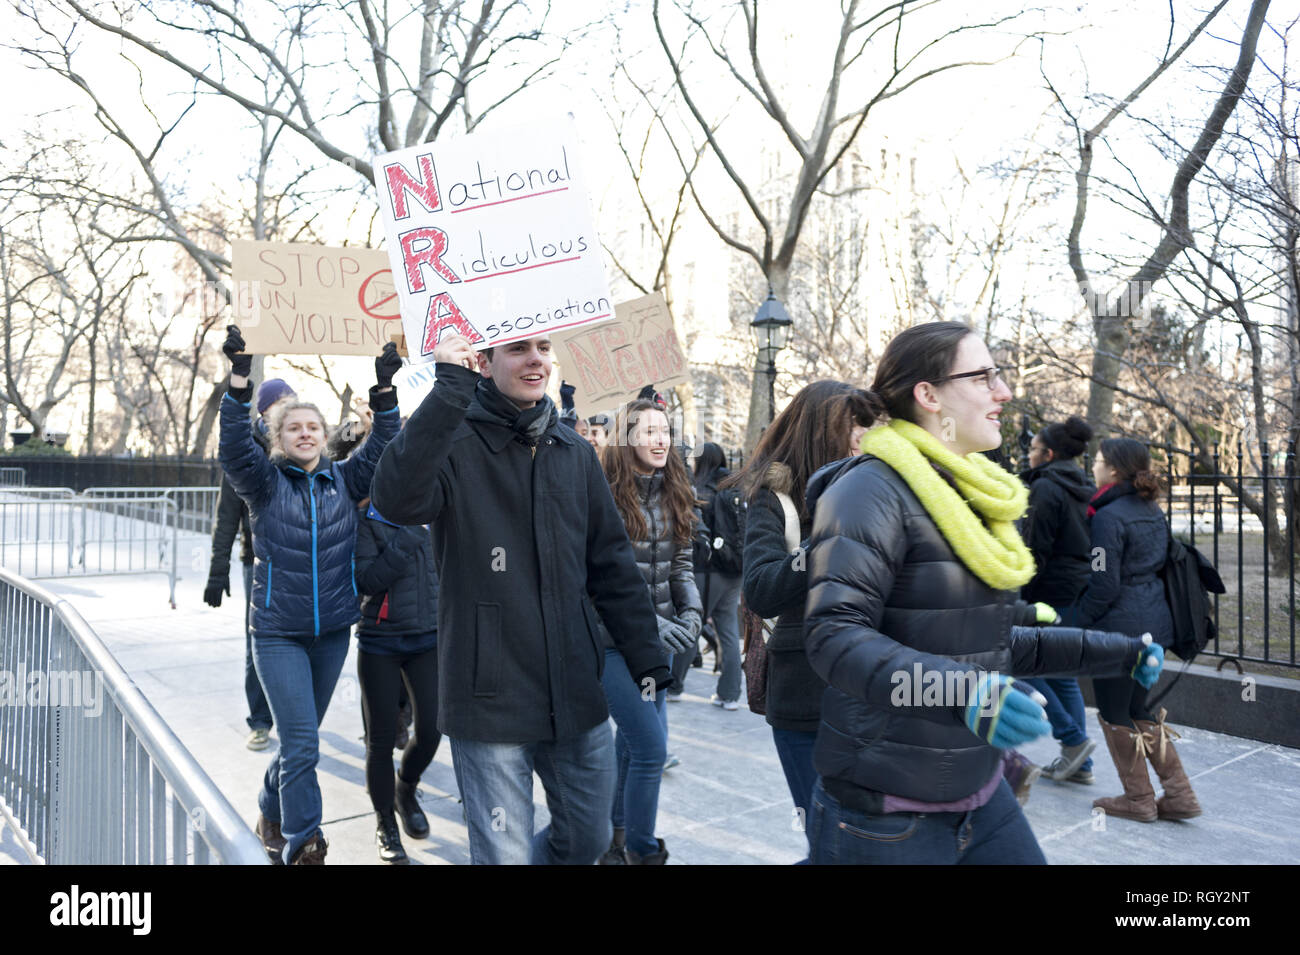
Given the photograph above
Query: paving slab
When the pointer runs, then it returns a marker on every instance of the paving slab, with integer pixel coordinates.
(726, 803)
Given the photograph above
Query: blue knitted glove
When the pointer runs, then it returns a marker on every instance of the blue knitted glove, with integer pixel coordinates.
(1151, 658)
(1003, 715)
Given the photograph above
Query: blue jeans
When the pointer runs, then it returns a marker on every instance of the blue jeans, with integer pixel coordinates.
(724, 607)
(1064, 710)
(994, 834)
(496, 785)
(299, 681)
(640, 748)
(795, 748)
(259, 713)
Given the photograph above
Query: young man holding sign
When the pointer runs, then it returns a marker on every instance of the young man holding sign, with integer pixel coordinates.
(528, 542)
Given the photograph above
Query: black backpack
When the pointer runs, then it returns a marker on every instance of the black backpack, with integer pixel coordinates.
(726, 519)
(1189, 579)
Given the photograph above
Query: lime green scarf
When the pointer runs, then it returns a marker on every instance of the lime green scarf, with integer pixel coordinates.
(991, 549)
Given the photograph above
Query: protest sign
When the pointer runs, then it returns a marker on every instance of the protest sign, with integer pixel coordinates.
(490, 236)
(608, 364)
(413, 382)
(293, 298)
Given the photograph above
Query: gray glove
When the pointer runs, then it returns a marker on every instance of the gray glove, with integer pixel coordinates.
(674, 637)
(690, 619)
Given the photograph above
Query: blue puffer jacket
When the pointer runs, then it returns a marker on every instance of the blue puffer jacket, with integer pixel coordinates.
(304, 527)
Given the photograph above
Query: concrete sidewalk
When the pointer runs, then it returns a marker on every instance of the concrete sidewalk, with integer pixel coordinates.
(727, 802)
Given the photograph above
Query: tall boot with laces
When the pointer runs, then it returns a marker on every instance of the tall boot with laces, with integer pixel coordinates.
(1128, 749)
(1179, 800)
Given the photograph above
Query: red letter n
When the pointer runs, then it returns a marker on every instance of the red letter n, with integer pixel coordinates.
(444, 314)
(425, 189)
(431, 255)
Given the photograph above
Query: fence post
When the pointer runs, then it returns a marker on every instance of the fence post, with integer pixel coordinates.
(1267, 494)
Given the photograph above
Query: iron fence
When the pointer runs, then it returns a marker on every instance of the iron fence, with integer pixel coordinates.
(13, 477)
(196, 507)
(89, 772)
(83, 471)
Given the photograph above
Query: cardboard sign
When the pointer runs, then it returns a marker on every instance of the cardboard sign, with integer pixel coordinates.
(608, 364)
(490, 236)
(292, 298)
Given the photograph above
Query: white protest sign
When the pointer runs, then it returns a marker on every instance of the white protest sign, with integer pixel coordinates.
(413, 382)
(490, 236)
(293, 298)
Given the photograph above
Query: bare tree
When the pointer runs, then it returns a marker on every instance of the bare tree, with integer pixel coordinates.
(889, 63)
(1112, 317)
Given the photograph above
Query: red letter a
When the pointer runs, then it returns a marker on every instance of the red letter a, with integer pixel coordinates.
(430, 255)
(425, 189)
(444, 314)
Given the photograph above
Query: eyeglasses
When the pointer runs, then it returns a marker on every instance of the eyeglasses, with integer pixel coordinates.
(991, 377)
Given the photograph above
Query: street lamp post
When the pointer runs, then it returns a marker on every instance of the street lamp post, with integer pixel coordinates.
(771, 326)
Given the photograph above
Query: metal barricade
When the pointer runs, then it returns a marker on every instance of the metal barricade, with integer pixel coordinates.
(89, 772)
(89, 536)
(13, 477)
(196, 507)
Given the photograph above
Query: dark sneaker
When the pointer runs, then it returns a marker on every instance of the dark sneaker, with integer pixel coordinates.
(1067, 764)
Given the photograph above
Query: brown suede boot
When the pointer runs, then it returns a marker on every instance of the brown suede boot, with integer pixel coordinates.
(1128, 750)
(1178, 801)
(272, 841)
(312, 852)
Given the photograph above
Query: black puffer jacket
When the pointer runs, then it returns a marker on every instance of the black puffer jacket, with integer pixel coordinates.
(887, 595)
(399, 587)
(776, 585)
(1124, 592)
(668, 569)
(232, 520)
(1056, 532)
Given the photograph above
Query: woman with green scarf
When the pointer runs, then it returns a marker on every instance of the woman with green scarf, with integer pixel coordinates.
(913, 621)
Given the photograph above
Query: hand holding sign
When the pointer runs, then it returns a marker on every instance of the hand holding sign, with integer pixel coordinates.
(455, 350)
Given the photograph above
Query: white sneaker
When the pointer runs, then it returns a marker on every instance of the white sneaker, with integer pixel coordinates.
(258, 740)
(674, 697)
(725, 704)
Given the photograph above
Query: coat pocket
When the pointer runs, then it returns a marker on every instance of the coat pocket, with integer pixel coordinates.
(487, 649)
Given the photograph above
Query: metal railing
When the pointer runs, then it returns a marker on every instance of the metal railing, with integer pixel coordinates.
(196, 507)
(13, 477)
(57, 536)
(89, 772)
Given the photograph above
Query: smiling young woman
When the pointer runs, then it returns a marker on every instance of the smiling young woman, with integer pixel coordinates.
(914, 565)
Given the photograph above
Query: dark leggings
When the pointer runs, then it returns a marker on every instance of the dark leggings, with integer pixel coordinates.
(1121, 700)
(381, 678)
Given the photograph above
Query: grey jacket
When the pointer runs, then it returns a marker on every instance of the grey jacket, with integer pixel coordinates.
(669, 570)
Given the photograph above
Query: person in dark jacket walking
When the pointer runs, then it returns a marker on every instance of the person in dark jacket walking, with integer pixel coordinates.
(1124, 592)
(397, 645)
(719, 589)
(822, 423)
(913, 618)
(304, 518)
(1056, 533)
(657, 503)
(528, 544)
(232, 520)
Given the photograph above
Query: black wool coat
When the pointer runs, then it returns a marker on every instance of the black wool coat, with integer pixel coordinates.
(527, 540)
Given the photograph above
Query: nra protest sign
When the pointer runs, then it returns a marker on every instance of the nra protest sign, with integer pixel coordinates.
(610, 363)
(293, 298)
(490, 236)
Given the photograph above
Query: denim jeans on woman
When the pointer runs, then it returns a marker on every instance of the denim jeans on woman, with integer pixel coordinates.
(795, 749)
(496, 786)
(299, 681)
(995, 834)
(640, 747)
(1064, 710)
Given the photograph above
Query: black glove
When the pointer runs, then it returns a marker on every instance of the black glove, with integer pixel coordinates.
(566, 395)
(662, 676)
(212, 594)
(387, 365)
(240, 364)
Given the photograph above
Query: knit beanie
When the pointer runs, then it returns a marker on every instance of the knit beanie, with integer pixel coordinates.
(271, 391)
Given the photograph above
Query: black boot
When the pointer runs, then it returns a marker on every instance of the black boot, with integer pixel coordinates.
(388, 840)
(409, 811)
(659, 857)
(614, 855)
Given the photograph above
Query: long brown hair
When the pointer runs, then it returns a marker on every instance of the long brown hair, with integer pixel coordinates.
(1132, 462)
(618, 458)
(812, 431)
